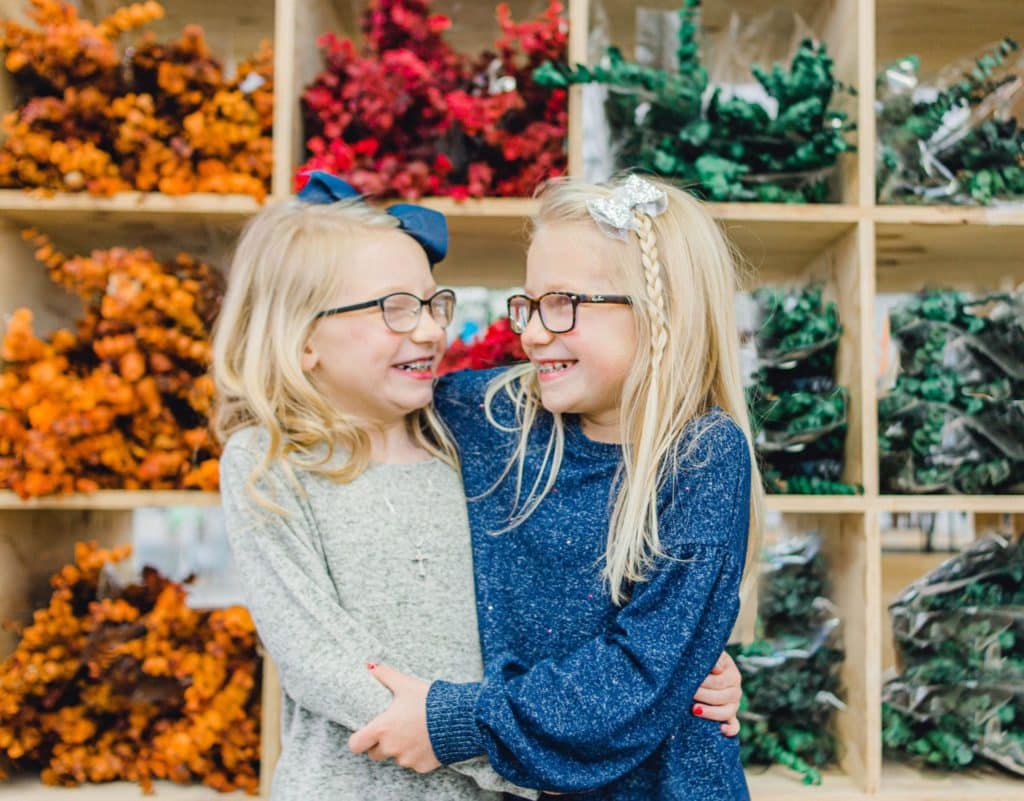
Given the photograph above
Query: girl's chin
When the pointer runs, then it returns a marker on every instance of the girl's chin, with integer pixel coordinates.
(557, 402)
(410, 396)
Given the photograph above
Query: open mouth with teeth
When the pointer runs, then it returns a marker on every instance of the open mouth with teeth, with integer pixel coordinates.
(421, 368)
(552, 369)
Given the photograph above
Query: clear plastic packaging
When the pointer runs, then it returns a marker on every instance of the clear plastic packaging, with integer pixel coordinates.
(952, 417)
(959, 636)
(952, 137)
(712, 119)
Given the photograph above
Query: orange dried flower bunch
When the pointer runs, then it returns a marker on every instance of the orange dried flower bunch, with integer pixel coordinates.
(115, 682)
(157, 117)
(123, 402)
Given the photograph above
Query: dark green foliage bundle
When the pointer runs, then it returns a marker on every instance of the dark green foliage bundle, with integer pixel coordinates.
(798, 412)
(727, 149)
(954, 419)
(959, 635)
(958, 145)
(791, 671)
(952, 725)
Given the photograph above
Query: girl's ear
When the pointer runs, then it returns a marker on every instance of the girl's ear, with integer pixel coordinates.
(310, 358)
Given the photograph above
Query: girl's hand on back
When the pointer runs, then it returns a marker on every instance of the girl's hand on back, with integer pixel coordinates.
(400, 732)
(718, 698)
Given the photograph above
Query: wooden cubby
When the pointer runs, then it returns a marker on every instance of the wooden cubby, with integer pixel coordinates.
(854, 246)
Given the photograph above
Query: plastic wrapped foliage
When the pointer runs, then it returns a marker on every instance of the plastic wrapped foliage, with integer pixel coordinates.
(790, 673)
(782, 146)
(953, 420)
(793, 585)
(959, 635)
(798, 411)
(956, 137)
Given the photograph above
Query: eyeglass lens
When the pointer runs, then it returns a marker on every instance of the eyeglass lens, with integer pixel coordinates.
(556, 313)
(402, 311)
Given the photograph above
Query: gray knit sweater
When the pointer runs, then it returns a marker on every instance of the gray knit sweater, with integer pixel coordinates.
(378, 570)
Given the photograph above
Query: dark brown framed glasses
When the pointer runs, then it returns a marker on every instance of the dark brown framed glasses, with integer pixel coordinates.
(557, 309)
(402, 310)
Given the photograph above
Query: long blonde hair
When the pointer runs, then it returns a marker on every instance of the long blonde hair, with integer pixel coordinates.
(682, 274)
(289, 264)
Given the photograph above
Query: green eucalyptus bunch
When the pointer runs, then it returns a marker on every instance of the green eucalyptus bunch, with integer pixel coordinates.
(727, 148)
(958, 143)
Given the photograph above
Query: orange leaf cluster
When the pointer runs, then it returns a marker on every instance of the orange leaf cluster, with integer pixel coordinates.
(164, 118)
(122, 403)
(117, 682)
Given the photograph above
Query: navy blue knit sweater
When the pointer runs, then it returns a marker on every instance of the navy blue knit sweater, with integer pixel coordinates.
(580, 695)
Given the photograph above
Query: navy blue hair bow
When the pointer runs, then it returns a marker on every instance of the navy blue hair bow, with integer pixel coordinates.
(426, 226)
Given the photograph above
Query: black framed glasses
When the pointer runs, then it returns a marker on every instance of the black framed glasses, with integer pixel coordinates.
(557, 309)
(402, 310)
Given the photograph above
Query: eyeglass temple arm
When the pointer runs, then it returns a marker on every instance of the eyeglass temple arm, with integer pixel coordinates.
(342, 309)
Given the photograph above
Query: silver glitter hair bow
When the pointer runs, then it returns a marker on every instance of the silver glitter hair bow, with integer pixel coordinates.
(614, 214)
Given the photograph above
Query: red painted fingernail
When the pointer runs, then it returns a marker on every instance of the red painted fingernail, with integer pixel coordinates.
(698, 710)
(371, 665)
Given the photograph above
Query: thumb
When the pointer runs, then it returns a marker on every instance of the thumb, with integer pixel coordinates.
(386, 675)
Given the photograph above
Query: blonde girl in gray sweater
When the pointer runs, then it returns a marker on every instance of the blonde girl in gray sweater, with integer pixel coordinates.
(344, 507)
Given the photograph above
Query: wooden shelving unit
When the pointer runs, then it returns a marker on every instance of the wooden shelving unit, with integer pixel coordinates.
(26, 790)
(855, 247)
(110, 500)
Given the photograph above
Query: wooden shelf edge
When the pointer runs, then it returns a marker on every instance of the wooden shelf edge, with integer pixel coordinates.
(986, 504)
(28, 788)
(905, 783)
(111, 499)
(18, 201)
(778, 784)
(155, 203)
(810, 213)
(478, 207)
(785, 504)
(816, 504)
(853, 504)
(948, 215)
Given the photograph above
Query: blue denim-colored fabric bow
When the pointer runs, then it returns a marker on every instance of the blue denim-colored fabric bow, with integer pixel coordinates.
(426, 226)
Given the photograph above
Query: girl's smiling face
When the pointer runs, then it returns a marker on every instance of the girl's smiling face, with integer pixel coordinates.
(583, 370)
(368, 370)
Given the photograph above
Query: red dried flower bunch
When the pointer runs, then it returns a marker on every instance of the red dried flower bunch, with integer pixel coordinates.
(499, 346)
(408, 116)
(157, 117)
(123, 402)
(114, 682)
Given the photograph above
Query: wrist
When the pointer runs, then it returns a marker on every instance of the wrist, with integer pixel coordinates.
(451, 721)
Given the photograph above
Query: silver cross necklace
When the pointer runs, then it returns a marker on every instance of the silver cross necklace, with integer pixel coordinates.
(421, 558)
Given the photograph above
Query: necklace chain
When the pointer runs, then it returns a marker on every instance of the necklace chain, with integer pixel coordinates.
(421, 558)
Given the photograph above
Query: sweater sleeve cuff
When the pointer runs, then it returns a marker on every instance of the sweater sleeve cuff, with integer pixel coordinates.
(451, 721)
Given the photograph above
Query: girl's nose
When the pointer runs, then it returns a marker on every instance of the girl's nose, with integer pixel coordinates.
(427, 329)
(535, 334)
